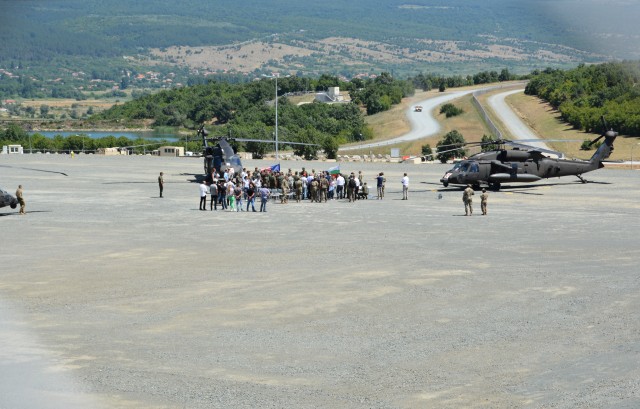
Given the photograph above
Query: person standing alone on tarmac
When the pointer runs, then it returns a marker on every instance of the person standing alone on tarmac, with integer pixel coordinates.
(483, 201)
(405, 187)
(20, 197)
(161, 183)
(467, 198)
(380, 185)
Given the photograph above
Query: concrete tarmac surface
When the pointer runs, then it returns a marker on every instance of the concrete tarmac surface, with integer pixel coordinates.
(111, 297)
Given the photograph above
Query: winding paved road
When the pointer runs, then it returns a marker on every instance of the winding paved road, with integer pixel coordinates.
(423, 124)
(516, 127)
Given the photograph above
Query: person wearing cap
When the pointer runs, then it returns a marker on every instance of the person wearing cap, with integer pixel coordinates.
(483, 201)
(467, 198)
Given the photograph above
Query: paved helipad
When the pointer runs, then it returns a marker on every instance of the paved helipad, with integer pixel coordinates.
(111, 297)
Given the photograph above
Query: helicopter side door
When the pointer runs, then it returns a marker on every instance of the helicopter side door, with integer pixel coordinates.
(470, 172)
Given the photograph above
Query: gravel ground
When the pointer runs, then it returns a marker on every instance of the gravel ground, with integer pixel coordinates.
(111, 297)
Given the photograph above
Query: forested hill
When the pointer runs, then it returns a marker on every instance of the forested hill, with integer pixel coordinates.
(31, 29)
(450, 36)
(586, 93)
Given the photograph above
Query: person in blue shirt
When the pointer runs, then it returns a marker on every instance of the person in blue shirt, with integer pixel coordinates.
(264, 198)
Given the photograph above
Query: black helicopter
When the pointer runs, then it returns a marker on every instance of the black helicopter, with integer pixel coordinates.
(220, 156)
(6, 199)
(526, 165)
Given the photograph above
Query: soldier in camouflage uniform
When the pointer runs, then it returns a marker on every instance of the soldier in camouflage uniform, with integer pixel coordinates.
(284, 183)
(324, 187)
(20, 197)
(313, 189)
(484, 197)
(467, 198)
(298, 185)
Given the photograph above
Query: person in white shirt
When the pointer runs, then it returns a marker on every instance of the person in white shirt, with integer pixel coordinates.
(405, 187)
(340, 186)
(204, 188)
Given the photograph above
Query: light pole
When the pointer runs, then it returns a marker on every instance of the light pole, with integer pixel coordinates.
(275, 75)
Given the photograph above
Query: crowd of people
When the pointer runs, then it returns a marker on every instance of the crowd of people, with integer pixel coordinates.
(238, 191)
(230, 190)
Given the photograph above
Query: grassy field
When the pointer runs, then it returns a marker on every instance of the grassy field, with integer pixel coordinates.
(69, 108)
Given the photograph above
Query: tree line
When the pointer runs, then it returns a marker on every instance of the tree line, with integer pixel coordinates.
(14, 134)
(584, 94)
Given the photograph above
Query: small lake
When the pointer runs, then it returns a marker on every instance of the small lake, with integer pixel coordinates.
(117, 134)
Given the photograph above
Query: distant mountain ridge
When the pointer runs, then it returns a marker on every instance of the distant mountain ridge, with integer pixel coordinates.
(334, 36)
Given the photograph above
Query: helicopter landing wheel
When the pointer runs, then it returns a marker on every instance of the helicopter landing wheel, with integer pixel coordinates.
(445, 184)
(495, 186)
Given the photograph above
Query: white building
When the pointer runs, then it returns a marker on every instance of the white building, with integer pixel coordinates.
(171, 151)
(332, 95)
(12, 150)
(112, 151)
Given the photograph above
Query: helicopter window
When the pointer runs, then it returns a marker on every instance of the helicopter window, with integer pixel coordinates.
(474, 167)
(464, 167)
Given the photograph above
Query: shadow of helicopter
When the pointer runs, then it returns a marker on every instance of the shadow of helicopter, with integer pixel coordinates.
(29, 212)
(33, 169)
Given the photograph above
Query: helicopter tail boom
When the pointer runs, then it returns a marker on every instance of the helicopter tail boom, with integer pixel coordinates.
(604, 150)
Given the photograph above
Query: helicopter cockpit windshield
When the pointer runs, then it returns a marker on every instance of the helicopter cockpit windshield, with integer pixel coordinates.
(468, 166)
(456, 167)
(234, 161)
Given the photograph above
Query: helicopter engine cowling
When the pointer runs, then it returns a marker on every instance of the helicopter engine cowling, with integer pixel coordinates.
(513, 155)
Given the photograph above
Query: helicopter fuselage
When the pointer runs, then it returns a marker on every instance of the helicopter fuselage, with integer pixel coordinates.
(512, 166)
(524, 166)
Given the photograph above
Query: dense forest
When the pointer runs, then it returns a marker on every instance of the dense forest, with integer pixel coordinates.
(247, 110)
(584, 94)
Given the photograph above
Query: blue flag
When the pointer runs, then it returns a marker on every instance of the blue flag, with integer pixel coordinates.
(275, 168)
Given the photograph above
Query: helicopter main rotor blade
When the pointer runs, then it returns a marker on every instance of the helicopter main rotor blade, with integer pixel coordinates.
(272, 141)
(605, 129)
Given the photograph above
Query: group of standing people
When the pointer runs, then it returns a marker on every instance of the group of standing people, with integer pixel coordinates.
(229, 195)
(467, 199)
(229, 190)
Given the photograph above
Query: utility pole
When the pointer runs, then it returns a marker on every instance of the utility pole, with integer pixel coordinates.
(275, 75)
